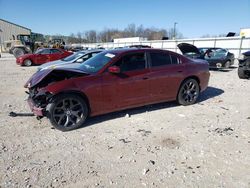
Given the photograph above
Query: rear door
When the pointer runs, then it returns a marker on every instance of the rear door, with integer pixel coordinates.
(166, 74)
(55, 54)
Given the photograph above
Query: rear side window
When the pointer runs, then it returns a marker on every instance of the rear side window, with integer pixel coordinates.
(45, 51)
(55, 51)
(160, 59)
(175, 60)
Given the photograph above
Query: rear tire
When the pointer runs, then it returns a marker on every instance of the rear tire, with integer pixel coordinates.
(17, 52)
(67, 112)
(241, 73)
(188, 92)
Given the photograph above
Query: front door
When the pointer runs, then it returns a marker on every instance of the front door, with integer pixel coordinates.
(129, 88)
(43, 57)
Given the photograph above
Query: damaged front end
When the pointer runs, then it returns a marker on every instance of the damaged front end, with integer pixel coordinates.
(39, 95)
(38, 100)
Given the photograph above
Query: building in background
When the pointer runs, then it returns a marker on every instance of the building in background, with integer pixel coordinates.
(9, 31)
(131, 39)
(245, 32)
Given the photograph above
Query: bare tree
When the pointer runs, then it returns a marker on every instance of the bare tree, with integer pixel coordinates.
(79, 36)
(91, 36)
(108, 35)
(174, 33)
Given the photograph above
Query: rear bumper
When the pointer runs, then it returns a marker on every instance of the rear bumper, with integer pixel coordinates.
(38, 111)
(204, 81)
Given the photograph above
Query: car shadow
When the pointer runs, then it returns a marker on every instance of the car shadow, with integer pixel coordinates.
(222, 70)
(209, 93)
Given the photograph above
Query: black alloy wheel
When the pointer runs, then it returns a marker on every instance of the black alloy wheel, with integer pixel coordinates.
(68, 112)
(189, 92)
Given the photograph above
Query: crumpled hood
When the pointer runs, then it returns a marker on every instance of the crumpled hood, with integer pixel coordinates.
(37, 77)
(65, 73)
(45, 65)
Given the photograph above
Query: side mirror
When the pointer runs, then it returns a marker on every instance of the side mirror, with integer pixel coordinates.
(114, 70)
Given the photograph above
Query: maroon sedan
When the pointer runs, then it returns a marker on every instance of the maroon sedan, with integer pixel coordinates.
(115, 80)
(42, 56)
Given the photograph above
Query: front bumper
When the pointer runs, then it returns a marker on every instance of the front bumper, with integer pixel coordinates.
(19, 62)
(38, 111)
(220, 64)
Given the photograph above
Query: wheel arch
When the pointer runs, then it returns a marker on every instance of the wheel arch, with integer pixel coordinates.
(80, 94)
(191, 77)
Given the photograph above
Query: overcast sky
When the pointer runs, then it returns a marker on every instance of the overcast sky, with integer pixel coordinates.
(195, 18)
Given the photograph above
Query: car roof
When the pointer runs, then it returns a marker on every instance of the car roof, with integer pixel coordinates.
(126, 50)
(211, 48)
(91, 51)
(51, 49)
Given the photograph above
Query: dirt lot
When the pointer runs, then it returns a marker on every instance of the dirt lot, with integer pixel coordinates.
(164, 145)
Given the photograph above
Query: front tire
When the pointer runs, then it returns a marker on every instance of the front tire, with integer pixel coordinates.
(189, 92)
(67, 112)
(241, 73)
(27, 62)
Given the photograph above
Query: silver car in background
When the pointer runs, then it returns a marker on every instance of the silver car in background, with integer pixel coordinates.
(78, 57)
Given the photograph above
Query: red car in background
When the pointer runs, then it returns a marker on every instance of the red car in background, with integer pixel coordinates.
(42, 56)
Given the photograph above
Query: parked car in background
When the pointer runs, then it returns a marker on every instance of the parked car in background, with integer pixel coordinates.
(78, 57)
(139, 46)
(218, 57)
(115, 80)
(244, 65)
(42, 56)
(190, 51)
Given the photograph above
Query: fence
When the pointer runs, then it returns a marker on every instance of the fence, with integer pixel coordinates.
(236, 45)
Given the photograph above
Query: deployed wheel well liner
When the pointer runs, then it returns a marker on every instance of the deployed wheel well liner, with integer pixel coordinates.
(80, 94)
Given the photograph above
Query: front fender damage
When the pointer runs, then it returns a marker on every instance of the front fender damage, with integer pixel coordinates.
(39, 86)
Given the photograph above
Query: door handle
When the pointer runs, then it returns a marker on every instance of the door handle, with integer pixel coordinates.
(179, 71)
(145, 78)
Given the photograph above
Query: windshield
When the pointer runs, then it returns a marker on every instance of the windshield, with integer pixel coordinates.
(73, 57)
(97, 62)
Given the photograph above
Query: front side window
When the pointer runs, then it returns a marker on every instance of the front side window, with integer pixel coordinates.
(132, 62)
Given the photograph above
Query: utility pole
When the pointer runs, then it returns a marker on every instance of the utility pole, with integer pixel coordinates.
(174, 37)
(1, 40)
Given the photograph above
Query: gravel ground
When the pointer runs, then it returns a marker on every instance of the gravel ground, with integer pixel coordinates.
(163, 145)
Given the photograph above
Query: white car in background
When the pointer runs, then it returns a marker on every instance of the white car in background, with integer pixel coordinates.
(78, 57)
